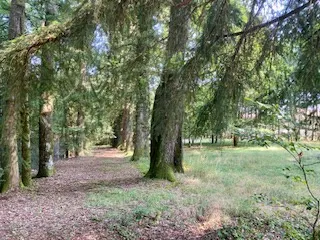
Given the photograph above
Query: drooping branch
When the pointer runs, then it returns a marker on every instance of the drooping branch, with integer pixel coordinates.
(28, 44)
(268, 23)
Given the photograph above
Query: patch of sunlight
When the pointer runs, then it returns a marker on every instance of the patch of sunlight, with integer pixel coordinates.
(215, 220)
(192, 181)
(129, 153)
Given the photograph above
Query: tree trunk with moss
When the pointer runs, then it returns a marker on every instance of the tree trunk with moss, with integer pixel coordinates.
(167, 114)
(25, 136)
(11, 177)
(46, 166)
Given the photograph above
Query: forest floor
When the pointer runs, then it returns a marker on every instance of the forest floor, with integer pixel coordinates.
(58, 208)
(225, 193)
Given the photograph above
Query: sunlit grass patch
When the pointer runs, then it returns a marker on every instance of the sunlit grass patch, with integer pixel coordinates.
(239, 180)
(223, 188)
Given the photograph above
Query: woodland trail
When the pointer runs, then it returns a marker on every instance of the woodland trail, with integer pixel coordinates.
(55, 208)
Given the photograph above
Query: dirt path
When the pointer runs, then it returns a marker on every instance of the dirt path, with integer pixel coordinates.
(56, 208)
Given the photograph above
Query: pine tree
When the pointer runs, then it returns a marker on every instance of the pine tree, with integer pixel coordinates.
(168, 109)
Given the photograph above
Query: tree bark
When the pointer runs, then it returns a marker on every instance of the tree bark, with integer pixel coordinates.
(167, 114)
(178, 153)
(125, 128)
(235, 140)
(116, 140)
(146, 34)
(80, 133)
(81, 115)
(11, 178)
(46, 166)
(10, 164)
(141, 134)
(25, 136)
(66, 131)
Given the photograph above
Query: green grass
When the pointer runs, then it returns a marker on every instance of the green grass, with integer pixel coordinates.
(242, 184)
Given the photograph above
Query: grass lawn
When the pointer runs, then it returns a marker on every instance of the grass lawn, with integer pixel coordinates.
(247, 192)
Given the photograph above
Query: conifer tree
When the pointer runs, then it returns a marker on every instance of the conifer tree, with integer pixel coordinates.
(168, 109)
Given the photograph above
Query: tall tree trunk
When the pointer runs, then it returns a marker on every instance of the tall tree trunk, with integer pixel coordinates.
(11, 178)
(46, 166)
(167, 114)
(146, 34)
(81, 116)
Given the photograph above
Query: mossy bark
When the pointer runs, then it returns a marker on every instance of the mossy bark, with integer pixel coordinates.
(168, 110)
(9, 161)
(162, 170)
(10, 178)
